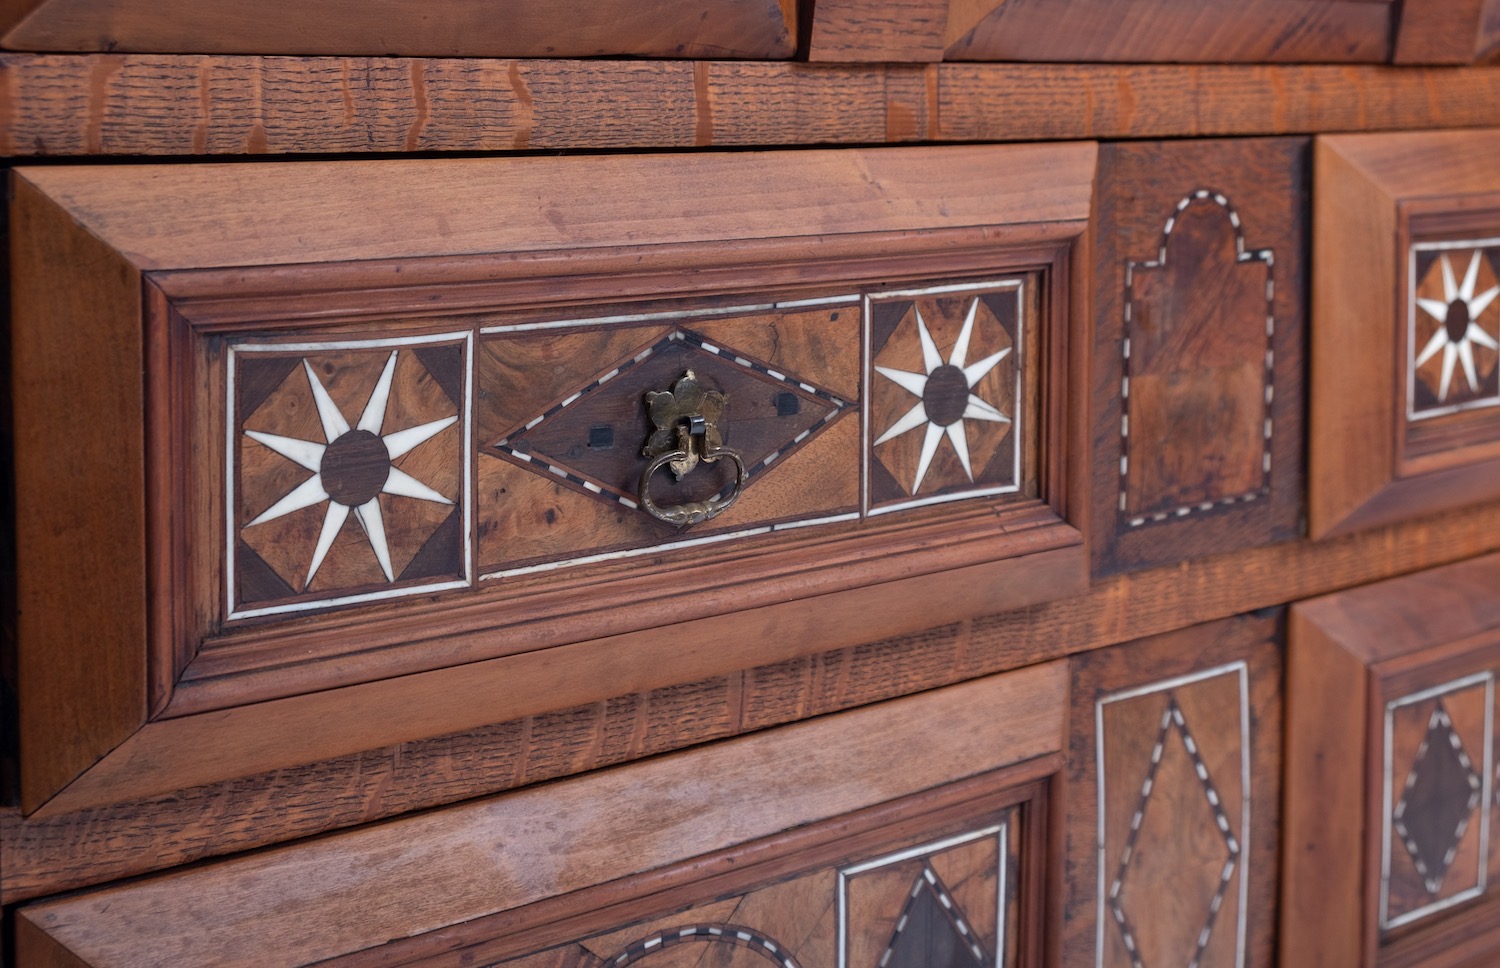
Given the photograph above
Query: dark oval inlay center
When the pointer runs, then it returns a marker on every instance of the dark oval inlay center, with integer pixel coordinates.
(355, 467)
(1457, 322)
(946, 395)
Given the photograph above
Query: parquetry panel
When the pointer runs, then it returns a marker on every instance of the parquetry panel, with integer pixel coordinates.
(1437, 782)
(349, 471)
(1453, 327)
(948, 413)
(947, 903)
(1173, 762)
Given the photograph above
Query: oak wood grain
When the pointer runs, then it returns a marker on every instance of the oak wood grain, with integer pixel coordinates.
(111, 104)
(1323, 827)
(724, 29)
(357, 889)
(80, 515)
(69, 850)
(878, 30)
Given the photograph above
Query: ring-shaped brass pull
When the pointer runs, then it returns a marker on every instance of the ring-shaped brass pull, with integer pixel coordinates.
(686, 419)
(693, 512)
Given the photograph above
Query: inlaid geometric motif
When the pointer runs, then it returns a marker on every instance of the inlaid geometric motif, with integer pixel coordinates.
(946, 416)
(1441, 791)
(1437, 742)
(941, 904)
(348, 478)
(590, 440)
(1172, 827)
(1453, 321)
(1197, 368)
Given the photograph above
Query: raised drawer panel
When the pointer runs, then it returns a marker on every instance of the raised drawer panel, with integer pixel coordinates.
(910, 833)
(432, 415)
(1198, 349)
(1391, 771)
(1405, 407)
(1172, 825)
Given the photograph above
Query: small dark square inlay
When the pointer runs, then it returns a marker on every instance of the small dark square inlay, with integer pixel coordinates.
(601, 438)
(787, 405)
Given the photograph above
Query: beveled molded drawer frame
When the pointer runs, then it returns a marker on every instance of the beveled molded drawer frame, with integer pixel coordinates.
(1390, 789)
(1404, 384)
(189, 264)
(657, 854)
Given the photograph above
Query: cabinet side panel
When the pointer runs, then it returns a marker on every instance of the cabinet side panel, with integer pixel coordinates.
(80, 519)
(1323, 838)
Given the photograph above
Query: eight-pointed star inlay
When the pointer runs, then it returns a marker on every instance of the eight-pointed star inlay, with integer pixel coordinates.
(1458, 314)
(351, 468)
(945, 395)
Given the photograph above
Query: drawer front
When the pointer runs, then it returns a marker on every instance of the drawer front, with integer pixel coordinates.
(416, 417)
(1405, 408)
(914, 832)
(1391, 769)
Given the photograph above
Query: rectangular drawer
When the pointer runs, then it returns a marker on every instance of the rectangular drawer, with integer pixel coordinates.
(1390, 772)
(877, 836)
(1405, 401)
(392, 433)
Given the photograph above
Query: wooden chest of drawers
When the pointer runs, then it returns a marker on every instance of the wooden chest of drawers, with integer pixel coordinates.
(1069, 545)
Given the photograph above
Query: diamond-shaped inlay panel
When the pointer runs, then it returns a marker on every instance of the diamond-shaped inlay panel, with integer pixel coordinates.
(1438, 801)
(592, 438)
(562, 420)
(348, 477)
(1453, 327)
(946, 385)
(1175, 814)
(1438, 742)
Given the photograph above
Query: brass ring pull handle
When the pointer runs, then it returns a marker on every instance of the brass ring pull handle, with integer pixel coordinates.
(687, 432)
(693, 512)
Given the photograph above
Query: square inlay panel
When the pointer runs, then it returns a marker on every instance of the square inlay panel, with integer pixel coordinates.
(952, 393)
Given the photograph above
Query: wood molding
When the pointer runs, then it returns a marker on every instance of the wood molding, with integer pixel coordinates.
(71, 850)
(611, 824)
(116, 104)
(1376, 198)
(475, 248)
(1371, 677)
(80, 490)
(1438, 33)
